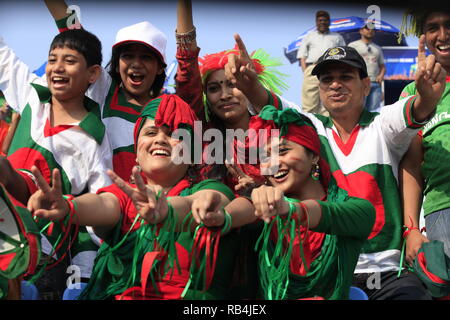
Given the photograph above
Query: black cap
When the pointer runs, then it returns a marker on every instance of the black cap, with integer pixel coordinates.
(347, 55)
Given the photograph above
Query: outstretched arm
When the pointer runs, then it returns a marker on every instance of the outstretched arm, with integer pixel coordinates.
(64, 17)
(48, 203)
(209, 209)
(270, 201)
(152, 204)
(57, 8)
(411, 188)
(430, 83)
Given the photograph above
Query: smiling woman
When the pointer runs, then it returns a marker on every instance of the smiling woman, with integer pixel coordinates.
(149, 232)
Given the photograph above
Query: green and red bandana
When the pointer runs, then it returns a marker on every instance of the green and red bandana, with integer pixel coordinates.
(294, 127)
(169, 110)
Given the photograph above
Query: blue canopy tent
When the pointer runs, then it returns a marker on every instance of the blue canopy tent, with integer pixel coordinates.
(348, 27)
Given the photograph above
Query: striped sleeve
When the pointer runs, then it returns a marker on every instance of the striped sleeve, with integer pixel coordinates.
(408, 114)
(352, 218)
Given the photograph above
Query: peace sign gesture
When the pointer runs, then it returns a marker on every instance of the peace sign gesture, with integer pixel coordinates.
(245, 183)
(149, 205)
(48, 202)
(430, 76)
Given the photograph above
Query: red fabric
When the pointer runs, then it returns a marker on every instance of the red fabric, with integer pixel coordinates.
(347, 147)
(170, 287)
(114, 105)
(4, 127)
(51, 131)
(216, 61)
(363, 185)
(126, 204)
(123, 163)
(172, 111)
(5, 260)
(31, 185)
(188, 81)
(25, 158)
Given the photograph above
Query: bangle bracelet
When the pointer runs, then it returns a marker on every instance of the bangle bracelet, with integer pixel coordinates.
(185, 38)
(227, 223)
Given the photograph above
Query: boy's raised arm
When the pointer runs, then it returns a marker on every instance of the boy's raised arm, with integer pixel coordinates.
(57, 8)
(64, 17)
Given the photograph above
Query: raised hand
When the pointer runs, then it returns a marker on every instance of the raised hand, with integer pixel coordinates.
(240, 69)
(269, 201)
(144, 197)
(245, 183)
(48, 202)
(207, 209)
(430, 76)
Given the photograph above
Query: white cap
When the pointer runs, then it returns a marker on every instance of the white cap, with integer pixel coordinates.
(145, 33)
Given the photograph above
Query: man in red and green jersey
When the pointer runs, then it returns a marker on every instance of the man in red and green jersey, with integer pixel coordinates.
(364, 150)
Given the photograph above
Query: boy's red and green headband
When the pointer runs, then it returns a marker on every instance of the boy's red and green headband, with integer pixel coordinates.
(169, 110)
(294, 127)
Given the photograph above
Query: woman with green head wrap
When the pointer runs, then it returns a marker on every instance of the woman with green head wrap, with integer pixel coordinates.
(153, 247)
(313, 231)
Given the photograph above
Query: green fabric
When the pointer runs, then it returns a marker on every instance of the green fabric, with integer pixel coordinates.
(91, 123)
(436, 264)
(3, 288)
(436, 147)
(283, 118)
(21, 247)
(390, 236)
(123, 109)
(119, 262)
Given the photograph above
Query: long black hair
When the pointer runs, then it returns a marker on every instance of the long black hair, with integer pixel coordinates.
(82, 41)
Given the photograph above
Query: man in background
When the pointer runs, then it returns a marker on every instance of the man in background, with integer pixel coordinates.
(313, 45)
(373, 56)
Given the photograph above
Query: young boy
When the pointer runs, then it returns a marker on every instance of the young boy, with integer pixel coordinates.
(60, 127)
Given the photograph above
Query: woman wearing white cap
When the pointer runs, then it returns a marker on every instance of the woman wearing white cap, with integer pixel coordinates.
(135, 75)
